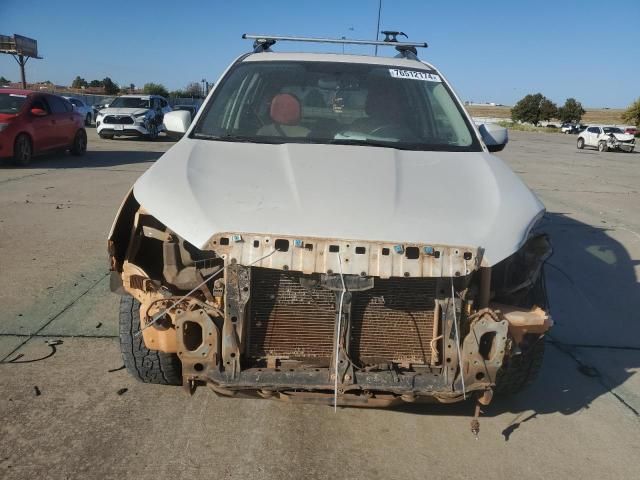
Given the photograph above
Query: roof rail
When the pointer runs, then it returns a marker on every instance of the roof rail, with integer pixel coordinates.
(263, 43)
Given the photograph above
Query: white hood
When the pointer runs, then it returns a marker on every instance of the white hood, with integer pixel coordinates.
(200, 188)
(623, 137)
(123, 111)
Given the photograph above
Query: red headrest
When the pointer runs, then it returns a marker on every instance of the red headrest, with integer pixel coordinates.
(285, 109)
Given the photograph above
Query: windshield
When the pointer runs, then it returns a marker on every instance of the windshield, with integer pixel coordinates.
(11, 103)
(338, 103)
(612, 130)
(131, 102)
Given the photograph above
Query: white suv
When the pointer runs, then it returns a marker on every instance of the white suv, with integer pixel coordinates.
(332, 228)
(606, 138)
(133, 115)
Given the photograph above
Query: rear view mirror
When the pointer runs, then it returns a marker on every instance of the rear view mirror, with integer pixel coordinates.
(177, 123)
(38, 112)
(494, 136)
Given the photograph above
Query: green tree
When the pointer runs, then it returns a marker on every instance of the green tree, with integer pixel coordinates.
(110, 88)
(533, 108)
(79, 82)
(571, 111)
(155, 89)
(95, 83)
(4, 81)
(632, 114)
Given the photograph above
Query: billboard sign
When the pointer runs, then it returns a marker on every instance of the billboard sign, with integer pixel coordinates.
(19, 45)
(26, 46)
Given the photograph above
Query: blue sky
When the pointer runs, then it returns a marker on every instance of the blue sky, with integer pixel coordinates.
(491, 50)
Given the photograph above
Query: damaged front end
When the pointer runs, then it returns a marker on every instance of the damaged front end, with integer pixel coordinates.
(323, 320)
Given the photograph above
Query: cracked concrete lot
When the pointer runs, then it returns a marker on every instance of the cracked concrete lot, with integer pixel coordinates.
(69, 411)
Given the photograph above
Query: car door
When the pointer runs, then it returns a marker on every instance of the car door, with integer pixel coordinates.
(592, 136)
(78, 106)
(64, 120)
(42, 127)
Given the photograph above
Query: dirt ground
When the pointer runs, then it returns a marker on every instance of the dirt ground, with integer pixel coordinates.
(608, 116)
(69, 411)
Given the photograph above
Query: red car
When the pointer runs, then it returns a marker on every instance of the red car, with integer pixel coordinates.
(631, 130)
(32, 123)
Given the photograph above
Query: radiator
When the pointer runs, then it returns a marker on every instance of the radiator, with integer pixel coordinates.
(394, 321)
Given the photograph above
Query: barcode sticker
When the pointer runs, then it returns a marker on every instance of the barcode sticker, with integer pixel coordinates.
(414, 75)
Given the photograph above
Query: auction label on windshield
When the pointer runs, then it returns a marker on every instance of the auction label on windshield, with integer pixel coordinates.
(414, 75)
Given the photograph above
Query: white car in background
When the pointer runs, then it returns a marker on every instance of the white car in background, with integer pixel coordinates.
(133, 115)
(82, 108)
(606, 138)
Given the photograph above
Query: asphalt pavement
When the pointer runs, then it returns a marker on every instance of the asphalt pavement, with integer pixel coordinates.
(69, 411)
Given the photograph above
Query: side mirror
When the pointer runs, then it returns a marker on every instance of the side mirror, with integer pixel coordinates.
(38, 112)
(177, 123)
(494, 136)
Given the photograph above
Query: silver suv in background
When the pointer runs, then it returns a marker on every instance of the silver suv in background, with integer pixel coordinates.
(133, 115)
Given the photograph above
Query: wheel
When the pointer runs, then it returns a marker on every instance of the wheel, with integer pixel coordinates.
(87, 120)
(630, 150)
(107, 136)
(148, 366)
(521, 370)
(79, 145)
(153, 131)
(602, 146)
(22, 150)
(580, 143)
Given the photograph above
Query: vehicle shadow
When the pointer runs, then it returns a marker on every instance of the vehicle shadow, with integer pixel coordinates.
(92, 159)
(593, 294)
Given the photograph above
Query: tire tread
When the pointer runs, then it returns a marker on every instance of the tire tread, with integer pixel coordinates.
(148, 366)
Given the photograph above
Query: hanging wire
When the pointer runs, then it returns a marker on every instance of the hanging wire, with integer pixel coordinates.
(455, 327)
(158, 316)
(337, 346)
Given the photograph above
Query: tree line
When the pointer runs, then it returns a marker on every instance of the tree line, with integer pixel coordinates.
(535, 108)
(193, 89)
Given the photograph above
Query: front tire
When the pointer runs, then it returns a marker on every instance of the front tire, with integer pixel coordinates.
(148, 366)
(87, 120)
(106, 136)
(520, 371)
(602, 146)
(22, 150)
(580, 143)
(79, 146)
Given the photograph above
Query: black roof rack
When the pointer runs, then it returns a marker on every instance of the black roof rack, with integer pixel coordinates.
(263, 43)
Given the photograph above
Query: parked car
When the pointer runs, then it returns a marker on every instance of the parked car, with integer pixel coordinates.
(83, 109)
(133, 115)
(606, 138)
(631, 131)
(368, 252)
(569, 128)
(32, 123)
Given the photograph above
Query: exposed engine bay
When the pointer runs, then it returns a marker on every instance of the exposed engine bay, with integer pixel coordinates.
(327, 320)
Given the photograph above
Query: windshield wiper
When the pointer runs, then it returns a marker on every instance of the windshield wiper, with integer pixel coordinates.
(375, 143)
(236, 138)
